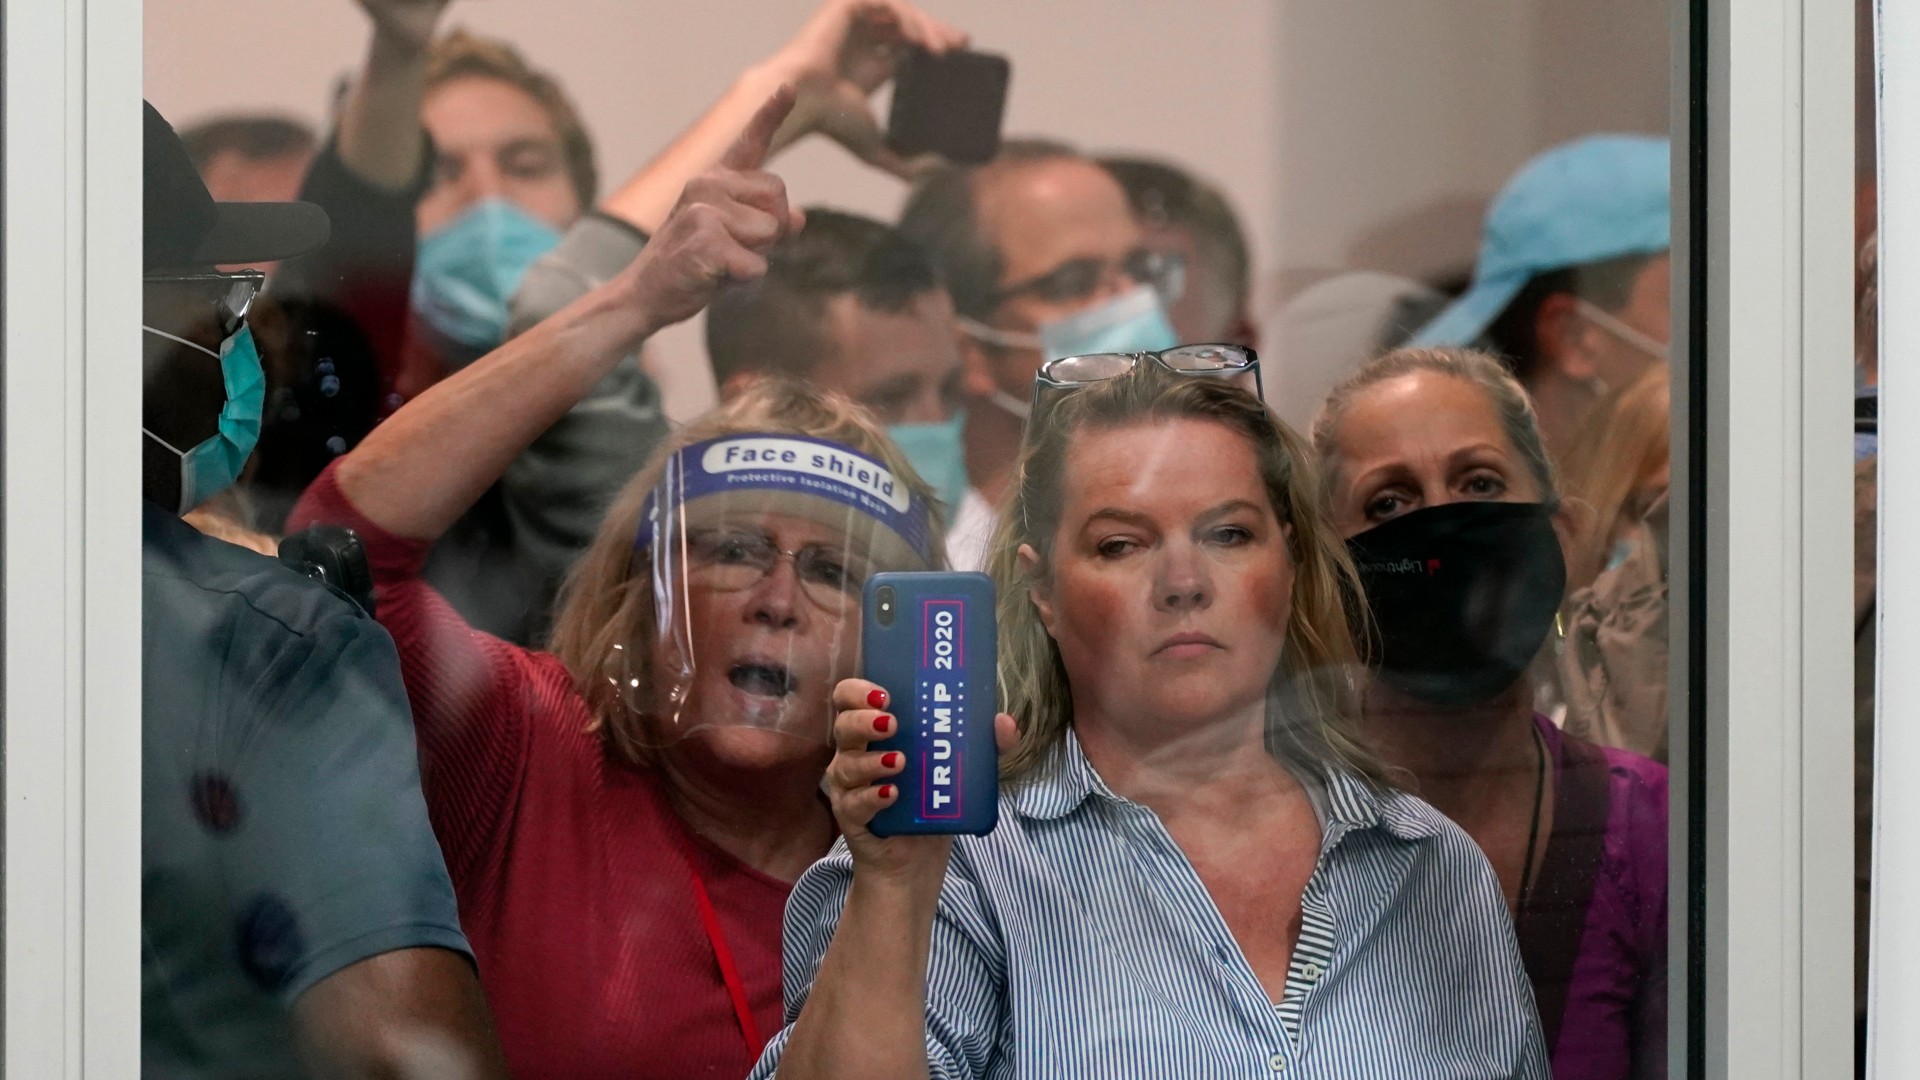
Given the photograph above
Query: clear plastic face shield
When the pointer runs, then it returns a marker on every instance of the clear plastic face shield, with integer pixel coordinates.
(758, 548)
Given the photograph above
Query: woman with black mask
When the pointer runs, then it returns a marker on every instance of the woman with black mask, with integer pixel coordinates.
(1437, 475)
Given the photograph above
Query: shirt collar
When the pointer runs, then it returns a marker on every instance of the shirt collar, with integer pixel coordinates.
(1064, 779)
(1353, 803)
(1344, 801)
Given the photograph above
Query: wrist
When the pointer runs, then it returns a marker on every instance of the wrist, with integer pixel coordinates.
(762, 78)
(629, 307)
(393, 54)
(907, 900)
(912, 883)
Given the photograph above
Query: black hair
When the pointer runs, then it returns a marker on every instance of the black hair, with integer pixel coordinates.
(1607, 284)
(777, 324)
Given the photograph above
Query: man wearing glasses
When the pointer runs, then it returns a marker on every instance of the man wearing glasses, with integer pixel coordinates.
(1044, 259)
(297, 918)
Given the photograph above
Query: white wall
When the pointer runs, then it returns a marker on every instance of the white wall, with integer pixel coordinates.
(1199, 87)
(1398, 118)
(1090, 70)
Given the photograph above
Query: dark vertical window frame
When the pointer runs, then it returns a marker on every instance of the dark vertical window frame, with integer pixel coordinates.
(1694, 138)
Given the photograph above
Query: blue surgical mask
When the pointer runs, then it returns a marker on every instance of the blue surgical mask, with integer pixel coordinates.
(467, 270)
(1134, 321)
(214, 465)
(938, 454)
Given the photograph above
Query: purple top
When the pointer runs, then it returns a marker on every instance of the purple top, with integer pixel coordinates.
(1593, 933)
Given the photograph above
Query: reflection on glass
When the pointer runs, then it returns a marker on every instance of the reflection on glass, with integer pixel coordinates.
(1866, 482)
(1342, 759)
(296, 913)
(1197, 848)
(1458, 530)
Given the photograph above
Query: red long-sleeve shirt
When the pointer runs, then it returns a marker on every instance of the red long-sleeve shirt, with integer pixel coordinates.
(567, 863)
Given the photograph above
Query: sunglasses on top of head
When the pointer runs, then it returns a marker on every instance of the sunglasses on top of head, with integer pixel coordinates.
(1214, 361)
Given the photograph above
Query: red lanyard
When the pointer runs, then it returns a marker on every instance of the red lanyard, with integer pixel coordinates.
(722, 955)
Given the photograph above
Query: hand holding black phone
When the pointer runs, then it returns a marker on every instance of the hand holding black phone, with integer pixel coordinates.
(951, 105)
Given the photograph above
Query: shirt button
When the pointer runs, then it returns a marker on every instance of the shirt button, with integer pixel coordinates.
(1277, 1063)
(1311, 972)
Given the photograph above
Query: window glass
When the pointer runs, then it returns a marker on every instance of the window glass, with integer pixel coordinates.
(873, 536)
(1866, 465)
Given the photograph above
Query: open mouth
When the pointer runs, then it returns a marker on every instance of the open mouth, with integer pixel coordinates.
(762, 680)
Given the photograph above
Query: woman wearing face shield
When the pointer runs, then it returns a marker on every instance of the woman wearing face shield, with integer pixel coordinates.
(623, 817)
(1437, 475)
(1198, 868)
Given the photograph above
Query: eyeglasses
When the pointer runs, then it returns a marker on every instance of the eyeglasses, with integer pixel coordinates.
(227, 296)
(730, 560)
(1207, 361)
(1078, 279)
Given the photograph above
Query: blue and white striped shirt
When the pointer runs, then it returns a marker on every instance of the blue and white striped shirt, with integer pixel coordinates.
(1077, 941)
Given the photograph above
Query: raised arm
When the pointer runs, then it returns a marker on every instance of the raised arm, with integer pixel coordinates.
(845, 52)
(419, 471)
(379, 136)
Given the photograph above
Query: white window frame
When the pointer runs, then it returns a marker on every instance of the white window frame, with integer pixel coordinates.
(1776, 706)
(1894, 993)
(72, 401)
(1778, 702)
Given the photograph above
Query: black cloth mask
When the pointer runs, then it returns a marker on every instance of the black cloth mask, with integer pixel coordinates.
(1462, 595)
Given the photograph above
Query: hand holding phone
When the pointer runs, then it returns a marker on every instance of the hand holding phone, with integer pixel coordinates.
(845, 52)
(951, 104)
(929, 640)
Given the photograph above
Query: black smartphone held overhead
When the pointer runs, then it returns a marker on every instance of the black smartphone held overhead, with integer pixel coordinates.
(929, 639)
(949, 105)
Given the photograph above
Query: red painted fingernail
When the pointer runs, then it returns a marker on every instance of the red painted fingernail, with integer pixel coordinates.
(890, 759)
(886, 791)
(877, 699)
(882, 723)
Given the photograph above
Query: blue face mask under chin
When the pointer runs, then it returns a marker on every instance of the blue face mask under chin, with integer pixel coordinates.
(467, 270)
(214, 465)
(937, 452)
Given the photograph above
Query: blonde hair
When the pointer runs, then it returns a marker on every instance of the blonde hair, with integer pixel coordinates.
(1509, 399)
(466, 55)
(1625, 441)
(1310, 700)
(606, 609)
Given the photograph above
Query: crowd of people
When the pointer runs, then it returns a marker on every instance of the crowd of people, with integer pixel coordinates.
(1333, 713)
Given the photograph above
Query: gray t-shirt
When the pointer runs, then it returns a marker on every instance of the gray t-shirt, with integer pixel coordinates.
(558, 490)
(283, 834)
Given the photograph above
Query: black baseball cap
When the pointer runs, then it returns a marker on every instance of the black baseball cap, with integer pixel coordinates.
(185, 227)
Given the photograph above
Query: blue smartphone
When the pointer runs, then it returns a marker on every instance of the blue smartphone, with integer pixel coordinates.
(929, 639)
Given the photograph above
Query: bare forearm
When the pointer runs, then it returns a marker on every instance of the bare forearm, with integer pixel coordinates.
(415, 474)
(644, 200)
(866, 1013)
(408, 1013)
(380, 137)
